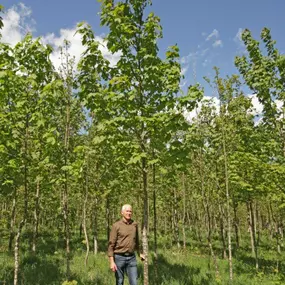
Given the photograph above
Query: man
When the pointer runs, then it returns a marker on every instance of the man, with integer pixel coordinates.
(123, 242)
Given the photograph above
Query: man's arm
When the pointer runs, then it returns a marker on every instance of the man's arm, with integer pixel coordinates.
(113, 265)
(111, 245)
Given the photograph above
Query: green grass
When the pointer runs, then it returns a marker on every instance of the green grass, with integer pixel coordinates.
(175, 267)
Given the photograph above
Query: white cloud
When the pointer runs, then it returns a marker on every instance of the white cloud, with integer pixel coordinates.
(214, 102)
(206, 62)
(218, 43)
(214, 34)
(257, 106)
(113, 58)
(239, 42)
(191, 60)
(184, 70)
(17, 23)
(183, 83)
(203, 55)
(75, 48)
(194, 56)
(279, 104)
(237, 37)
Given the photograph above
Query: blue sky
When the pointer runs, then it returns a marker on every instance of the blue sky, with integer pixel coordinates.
(206, 31)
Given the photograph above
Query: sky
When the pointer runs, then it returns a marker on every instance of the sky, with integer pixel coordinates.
(207, 32)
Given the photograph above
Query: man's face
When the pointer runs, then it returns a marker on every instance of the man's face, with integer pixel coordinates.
(127, 213)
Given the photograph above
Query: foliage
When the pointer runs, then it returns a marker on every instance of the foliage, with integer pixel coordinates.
(78, 142)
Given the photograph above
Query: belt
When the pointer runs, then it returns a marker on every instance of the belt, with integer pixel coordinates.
(124, 253)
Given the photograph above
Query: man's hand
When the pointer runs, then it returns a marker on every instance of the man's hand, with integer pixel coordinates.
(113, 266)
(142, 257)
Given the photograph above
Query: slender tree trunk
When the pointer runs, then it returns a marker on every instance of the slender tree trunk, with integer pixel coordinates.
(171, 218)
(184, 211)
(95, 225)
(269, 223)
(208, 224)
(277, 236)
(198, 223)
(108, 217)
(257, 224)
(26, 199)
(145, 221)
(66, 185)
(209, 238)
(36, 216)
(276, 230)
(154, 224)
(206, 206)
(84, 218)
(249, 220)
(228, 206)
(165, 223)
(16, 251)
(81, 228)
(222, 232)
(236, 225)
(252, 224)
(12, 219)
(175, 219)
(66, 229)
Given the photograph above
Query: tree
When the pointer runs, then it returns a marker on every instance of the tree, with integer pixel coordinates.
(263, 70)
(136, 100)
(1, 19)
(26, 70)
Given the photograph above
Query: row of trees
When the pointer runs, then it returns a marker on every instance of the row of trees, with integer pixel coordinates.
(77, 142)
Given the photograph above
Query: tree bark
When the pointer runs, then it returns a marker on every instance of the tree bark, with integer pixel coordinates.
(236, 225)
(184, 210)
(84, 219)
(276, 230)
(94, 225)
(252, 230)
(154, 224)
(228, 206)
(26, 199)
(145, 221)
(175, 219)
(36, 216)
(107, 217)
(66, 178)
(222, 233)
(12, 219)
(249, 221)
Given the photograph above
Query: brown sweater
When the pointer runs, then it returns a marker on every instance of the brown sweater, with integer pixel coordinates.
(123, 238)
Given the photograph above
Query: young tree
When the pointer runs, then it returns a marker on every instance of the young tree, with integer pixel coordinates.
(26, 71)
(135, 101)
(263, 69)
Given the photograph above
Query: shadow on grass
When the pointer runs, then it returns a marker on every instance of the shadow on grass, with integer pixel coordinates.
(40, 271)
(97, 281)
(178, 274)
(49, 243)
(246, 265)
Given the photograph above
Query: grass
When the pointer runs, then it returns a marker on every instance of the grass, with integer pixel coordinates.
(175, 267)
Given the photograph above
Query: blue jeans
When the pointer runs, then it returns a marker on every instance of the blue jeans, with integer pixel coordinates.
(126, 264)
